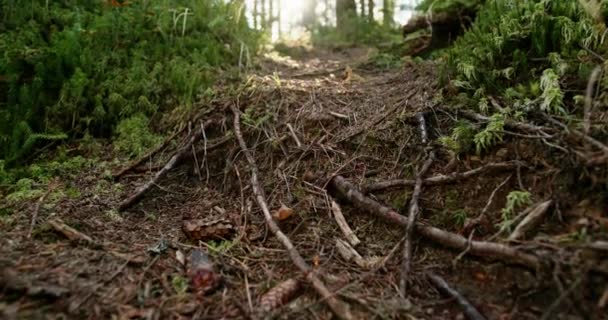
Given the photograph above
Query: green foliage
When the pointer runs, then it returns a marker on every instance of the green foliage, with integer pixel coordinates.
(180, 284)
(386, 61)
(358, 31)
(82, 66)
(25, 189)
(521, 54)
(447, 5)
(220, 246)
(459, 217)
(518, 42)
(134, 137)
(461, 139)
(492, 133)
(515, 199)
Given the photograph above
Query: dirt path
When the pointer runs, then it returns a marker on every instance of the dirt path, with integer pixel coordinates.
(301, 119)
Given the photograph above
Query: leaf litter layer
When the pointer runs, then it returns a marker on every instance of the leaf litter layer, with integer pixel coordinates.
(305, 122)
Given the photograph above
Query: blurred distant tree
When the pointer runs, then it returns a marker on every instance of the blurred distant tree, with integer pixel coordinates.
(370, 11)
(346, 10)
(388, 12)
(309, 17)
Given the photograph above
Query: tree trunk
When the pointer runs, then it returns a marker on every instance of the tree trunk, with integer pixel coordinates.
(263, 21)
(388, 11)
(370, 11)
(345, 11)
(255, 14)
(309, 18)
(362, 5)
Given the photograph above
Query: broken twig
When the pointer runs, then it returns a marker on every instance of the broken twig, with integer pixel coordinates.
(340, 309)
(344, 227)
(443, 179)
(469, 310)
(531, 220)
(348, 191)
(172, 163)
(414, 210)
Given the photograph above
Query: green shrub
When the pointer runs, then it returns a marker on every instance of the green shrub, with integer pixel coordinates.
(522, 55)
(134, 137)
(82, 66)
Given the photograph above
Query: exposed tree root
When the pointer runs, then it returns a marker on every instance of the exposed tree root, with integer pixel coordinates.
(443, 179)
(340, 309)
(344, 189)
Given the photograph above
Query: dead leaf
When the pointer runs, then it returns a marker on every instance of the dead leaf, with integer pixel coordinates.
(283, 213)
(181, 258)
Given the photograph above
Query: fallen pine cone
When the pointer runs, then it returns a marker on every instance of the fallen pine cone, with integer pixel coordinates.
(280, 295)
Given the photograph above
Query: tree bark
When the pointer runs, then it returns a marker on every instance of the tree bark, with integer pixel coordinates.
(345, 11)
(309, 18)
(388, 11)
(370, 11)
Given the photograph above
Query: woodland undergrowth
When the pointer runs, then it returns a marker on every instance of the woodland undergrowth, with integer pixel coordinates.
(71, 69)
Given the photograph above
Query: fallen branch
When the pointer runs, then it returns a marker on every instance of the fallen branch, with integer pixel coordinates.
(414, 210)
(442, 179)
(346, 230)
(442, 286)
(532, 220)
(52, 185)
(510, 124)
(341, 187)
(469, 225)
(172, 163)
(69, 232)
(340, 309)
(138, 162)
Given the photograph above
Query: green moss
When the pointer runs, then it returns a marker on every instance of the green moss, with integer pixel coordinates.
(133, 136)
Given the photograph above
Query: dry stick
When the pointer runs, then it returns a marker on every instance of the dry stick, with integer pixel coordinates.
(136, 163)
(414, 210)
(294, 135)
(339, 308)
(473, 223)
(579, 134)
(533, 219)
(509, 123)
(442, 179)
(50, 189)
(506, 253)
(469, 310)
(344, 227)
(589, 99)
(174, 161)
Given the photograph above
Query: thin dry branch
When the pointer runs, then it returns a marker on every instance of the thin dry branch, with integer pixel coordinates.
(442, 286)
(522, 126)
(531, 220)
(344, 227)
(346, 190)
(443, 179)
(340, 309)
(414, 210)
(136, 163)
(172, 163)
(69, 232)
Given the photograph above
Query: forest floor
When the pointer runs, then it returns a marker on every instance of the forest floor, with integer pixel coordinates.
(306, 121)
